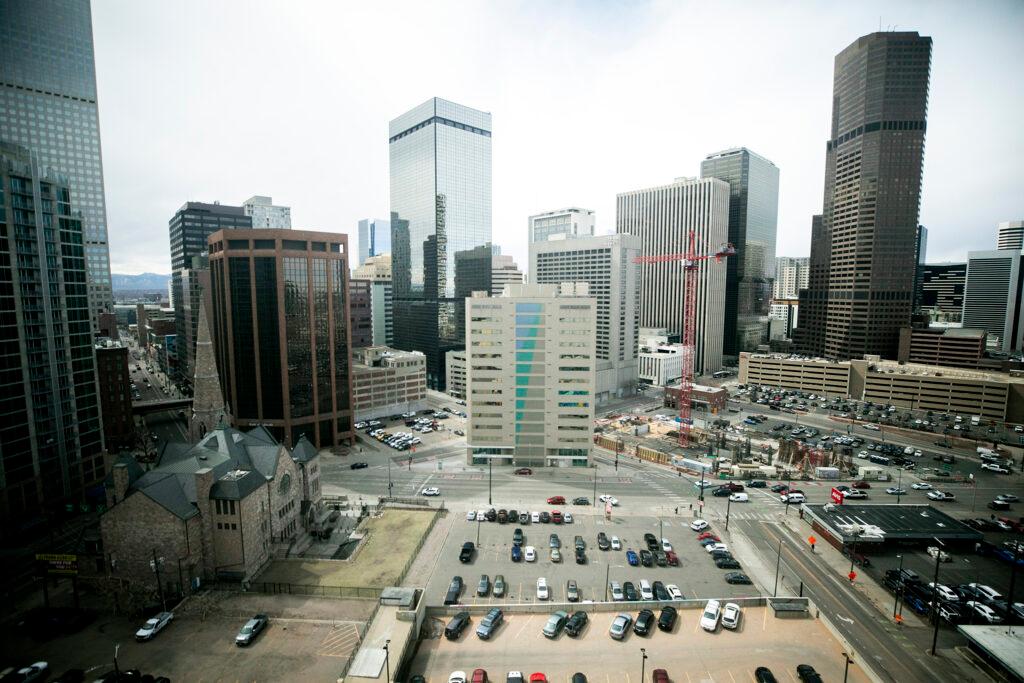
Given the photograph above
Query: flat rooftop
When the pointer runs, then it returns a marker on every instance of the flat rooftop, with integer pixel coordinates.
(1000, 644)
(904, 522)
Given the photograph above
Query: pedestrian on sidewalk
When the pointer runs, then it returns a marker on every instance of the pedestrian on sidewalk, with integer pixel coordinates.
(677, 509)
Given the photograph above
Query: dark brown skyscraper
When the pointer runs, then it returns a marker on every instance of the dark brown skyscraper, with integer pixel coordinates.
(281, 331)
(872, 199)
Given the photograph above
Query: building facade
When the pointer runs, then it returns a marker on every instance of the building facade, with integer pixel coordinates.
(504, 271)
(377, 270)
(48, 100)
(753, 222)
(386, 381)
(608, 265)
(873, 165)
(189, 229)
(561, 224)
(942, 290)
(455, 366)
(993, 289)
(788, 311)
(659, 363)
(265, 215)
(51, 434)
(360, 302)
(919, 264)
(115, 391)
(953, 346)
(1010, 235)
(791, 275)
(531, 357)
(440, 168)
(663, 217)
(280, 327)
(374, 238)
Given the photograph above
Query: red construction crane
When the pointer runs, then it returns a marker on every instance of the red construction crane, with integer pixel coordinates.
(691, 260)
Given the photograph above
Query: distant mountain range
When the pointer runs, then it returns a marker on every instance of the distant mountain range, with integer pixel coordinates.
(141, 281)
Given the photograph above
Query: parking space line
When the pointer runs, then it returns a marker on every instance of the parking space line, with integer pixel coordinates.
(731, 676)
(764, 622)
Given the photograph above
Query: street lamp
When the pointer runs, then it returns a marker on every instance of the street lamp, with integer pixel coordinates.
(390, 484)
(643, 663)
(896, 602)
(728, 507)
(935, 594)
(490, 474)
(846, 671)
(778, 562)
(155, 565)
(387, 658)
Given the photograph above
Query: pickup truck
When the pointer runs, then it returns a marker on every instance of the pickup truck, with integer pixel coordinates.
(466, 554)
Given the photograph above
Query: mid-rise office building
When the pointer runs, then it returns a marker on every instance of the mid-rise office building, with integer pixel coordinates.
(48, 100)
(265, 215)
(753, 222)
(993, 292)
(440, 167)
(374, 238)
(954, 346)
(942, 290)
(377, 271)
(786, 310)
(561, 224)
(608, 265)
(360, 304)
(531, 357)
(504, 271)
(114, 381)
(455, 366)
(1011, 235)
(51, 435)
(387, 381)
(660, 363)
(663, 217)
(873, 165)
(280, 327)
(189, 229)
(791, 275)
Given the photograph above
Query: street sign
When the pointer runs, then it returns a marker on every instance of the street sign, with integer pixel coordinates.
(837, 496)
(58, 563)
(852, 575)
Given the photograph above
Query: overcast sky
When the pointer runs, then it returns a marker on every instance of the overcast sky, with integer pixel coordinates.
(217, 100)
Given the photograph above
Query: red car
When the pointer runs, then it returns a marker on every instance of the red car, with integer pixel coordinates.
(556, 516)
(479, 676)
(538, 678)
(860, 485)
(556, 500)
(673, 559)
(660, 676)
(523, 470)
(708, 534)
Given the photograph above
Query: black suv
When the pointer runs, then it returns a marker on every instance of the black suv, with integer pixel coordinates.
(454, 591)
(643, 623)
(602, 541)
(581, 556)
(517, 537)
(581, 501)
(646, 558)
(660, 592)
(466, 554)
(652, 542)
(667, 619)
(576, 624)
(456, 626)
(629, 592)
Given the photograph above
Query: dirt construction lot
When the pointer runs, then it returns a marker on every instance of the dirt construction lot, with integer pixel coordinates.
(392, 539)
(688, 653)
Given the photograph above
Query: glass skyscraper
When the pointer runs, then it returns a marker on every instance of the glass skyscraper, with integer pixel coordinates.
(440, 160)
(753, 221)
(48, 104)
(374, 238)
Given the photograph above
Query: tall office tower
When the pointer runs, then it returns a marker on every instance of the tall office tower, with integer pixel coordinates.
(663, 218)
(993, 296)
(265, 215)
(606, 264)
(872, 199)
(51, 437)
(377, 270)
(194, 283)
(188, 229)
(921, 249)
(360, 304)
(753, 222)
(48, 100)
(1011, 235)
(504, 271)
(942, 290)
(280, 328)
(440, 164)
(374, 238)
(809, 333)
(561, 224)
(791, 274)
(530, 376)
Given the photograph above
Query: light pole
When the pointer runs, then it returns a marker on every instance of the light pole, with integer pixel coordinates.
(778, 561)
(728, 507)
(490, 474)
(595, 484)
(846, 671)
(390, 484)
(155, 564)
(899, 486)
(387, 658)
(896, 602)
(477, 528)
(643, 663)
(935, 595)
(607, 577)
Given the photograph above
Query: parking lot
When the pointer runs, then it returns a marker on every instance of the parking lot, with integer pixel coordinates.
(443, 434)
(696, 575)
(687, 652)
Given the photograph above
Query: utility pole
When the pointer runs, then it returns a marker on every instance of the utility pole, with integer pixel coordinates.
(607, 577)
(595, 484)
(490, 474)
(643, 663)
(155, 565)
(728, 507)
(846, 672)
(390, 484)
(387, 658)
(896, 602)
(778, 561)
(935, 595)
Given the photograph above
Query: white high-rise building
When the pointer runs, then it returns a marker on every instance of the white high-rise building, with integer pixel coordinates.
(1011, 235)
(530, 375)
(265, 215)
(663, 218)
(607, 264)
(561, 224)
(504, 271)
(791, 273)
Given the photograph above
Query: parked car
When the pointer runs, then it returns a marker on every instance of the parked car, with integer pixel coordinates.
(699, 525)
(499, 586)
(454, 591)
(358, 466)
(632, 558)
(938, 553)
(602, 541)
(154, 626)
(517, 553)
(620, 626)
(644, 622)
(556, 500)
(251, 629)
(667, 619)
(737, 578)
(455, 627)
(555, 624)
(709, 619)
(763, 674)
(616, 591)
(483, 589)
(457, 677)
(489, 624)
(466, 553)
(543, 593)
(523, 470)
(630, 592)
(572, 591)
(731, 616)
(581, 501)
(807, 674)
(530, 554)
(576, 623)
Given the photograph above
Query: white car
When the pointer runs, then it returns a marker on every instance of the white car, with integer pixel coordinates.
(566, 518)
(673, 590)
(940, 495)
(712, 547)
(709, 620)
(699, 525)
(665, 545)
(988, 592)
(731, 616)
(985, 612)
(942, 555)
(992, 467)
(922, 486)
(457, 677)
(863, 454)
(1007, 498)
(154, 626)
(471, 516)
(854, 493)
(945, 592)
(790, 498)
(535, 517)
(34, 672)
(609, 499)
(895, 491)
(739, 498)
(481, 515)
(874, 428)
(646, 592)
(432, 491)
(543, 593)
(530, 554)
(617, 594)
(616, 543)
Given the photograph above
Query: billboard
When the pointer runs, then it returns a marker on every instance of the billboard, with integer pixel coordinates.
(57, 564)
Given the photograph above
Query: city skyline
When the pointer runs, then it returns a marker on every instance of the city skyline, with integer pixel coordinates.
(636, 148)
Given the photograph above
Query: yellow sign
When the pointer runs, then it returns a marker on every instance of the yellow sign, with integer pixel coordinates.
(58, 563)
